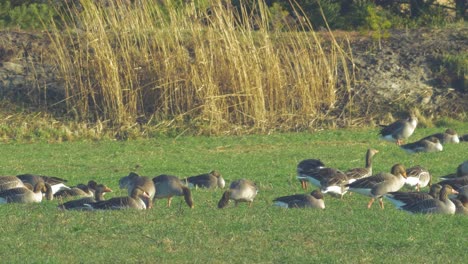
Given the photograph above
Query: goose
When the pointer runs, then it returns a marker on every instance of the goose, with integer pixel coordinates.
(400, 199)
(399, 130)
(81, 190)
(378, 185)
(461, 205)
(134, 180)
(242, 190)
(358, 173)
(55, 183)
(464, 138)
(313, 200)
(334, 182)
(138, 199)
(307, 167)
(418, 177)
(168, 186)
(449, 136)
(462, 169)
(10, 182)
(79, 204)
(212, 179)
(24, 194)
(442, 205)
(456, 183)
(424, 145)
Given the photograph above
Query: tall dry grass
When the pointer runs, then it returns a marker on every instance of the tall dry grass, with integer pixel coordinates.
(210, 70)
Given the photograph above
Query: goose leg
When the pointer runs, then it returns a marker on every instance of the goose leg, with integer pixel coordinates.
(381, 203)
(169, 201)
(370, 203)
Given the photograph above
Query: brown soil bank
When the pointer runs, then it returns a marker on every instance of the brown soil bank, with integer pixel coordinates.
(413, 69)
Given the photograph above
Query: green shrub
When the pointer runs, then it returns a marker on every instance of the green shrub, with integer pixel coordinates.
(26, 15)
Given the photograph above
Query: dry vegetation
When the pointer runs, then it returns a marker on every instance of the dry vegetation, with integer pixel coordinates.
(208, 71)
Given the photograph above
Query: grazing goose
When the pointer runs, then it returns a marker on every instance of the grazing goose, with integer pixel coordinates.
(358, 173)
(81, 190)
(55, 183)
(424, 145)
(442, 205)
(9, 182)
(242, 190)
(312, 200)
(168, 186)
(400, 199)
(449, 136)
(378, 185)
(24, 194)
(134, 180)
(399, 130)
(308, 167)
(138, 199)
(212, 179)
(80, 204)
(418, 177)
(334, 182)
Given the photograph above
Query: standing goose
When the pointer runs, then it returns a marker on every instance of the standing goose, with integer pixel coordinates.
(168, 186)
(81, 190)
(138, 199)
(442, 205)
(431, 144)
(400, 199)
(212, 179)
(80, 204)
(307, 167)
(55, 183)
(10, 182)
(358, 173)
(449, 136)
(134, 180)
(242, 190)
(312, 200)
(378, 185)
(24, 194)
(399, 130)
(418, 177)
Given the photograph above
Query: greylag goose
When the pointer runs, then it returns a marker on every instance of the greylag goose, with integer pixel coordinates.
(212, 179)
(456, 183)
(400, 199)
(464, 138)
(24, 194)
(442, 205)
(80, 204)
(461, 205)
(139, 199)
(449, 136)
(312, 200)
(9, 182)
(55, 183)
(308, 167)
(334, 182)
(358, 173)
(424, 145)
(461, 171)
(80, 190)
(242, 190)
(399, 130)
(168, 186)
(134, 180)
(418, 177)
(380, 184)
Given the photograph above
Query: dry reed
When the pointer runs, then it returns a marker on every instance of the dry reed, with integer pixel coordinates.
(207, 71)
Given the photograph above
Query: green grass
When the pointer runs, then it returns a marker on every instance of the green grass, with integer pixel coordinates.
(346, 231)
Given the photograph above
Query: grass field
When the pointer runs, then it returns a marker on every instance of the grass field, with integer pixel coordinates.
(346, 231)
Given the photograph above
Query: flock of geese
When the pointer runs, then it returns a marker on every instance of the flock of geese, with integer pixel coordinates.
(449, 196)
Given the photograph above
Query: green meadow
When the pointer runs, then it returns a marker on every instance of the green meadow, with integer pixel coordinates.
(346, 231)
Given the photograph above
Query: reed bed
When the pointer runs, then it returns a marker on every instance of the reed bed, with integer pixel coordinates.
(203, 67)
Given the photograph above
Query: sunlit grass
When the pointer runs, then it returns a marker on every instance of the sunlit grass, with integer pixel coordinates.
(346, 231)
